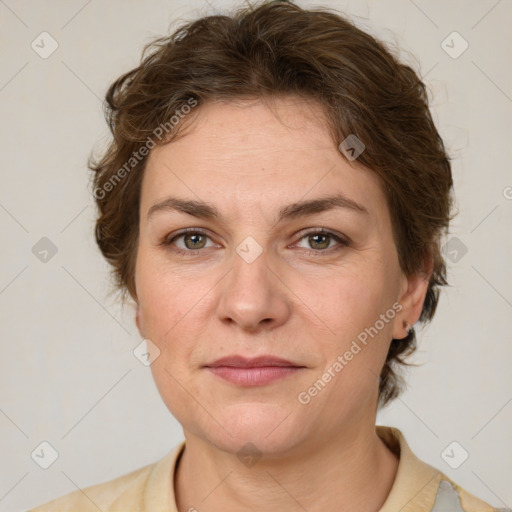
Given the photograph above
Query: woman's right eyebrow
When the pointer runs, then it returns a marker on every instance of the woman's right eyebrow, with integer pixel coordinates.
(192, 207)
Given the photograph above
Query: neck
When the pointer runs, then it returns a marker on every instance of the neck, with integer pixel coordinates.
(354, 471)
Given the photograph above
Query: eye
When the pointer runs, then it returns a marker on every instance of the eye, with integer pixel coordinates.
(320, 241)
(193, 240)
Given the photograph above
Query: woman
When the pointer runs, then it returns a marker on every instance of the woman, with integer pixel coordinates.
(273, 201)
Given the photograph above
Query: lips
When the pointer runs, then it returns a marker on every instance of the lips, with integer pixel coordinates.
(257, 371)
(256, 362)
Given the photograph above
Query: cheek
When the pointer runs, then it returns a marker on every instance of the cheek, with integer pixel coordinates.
(175, 305)
(356, 299)
(165, 297)
(358, 308)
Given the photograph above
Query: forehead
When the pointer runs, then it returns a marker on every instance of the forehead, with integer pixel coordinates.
(226, 130)
(246, 151)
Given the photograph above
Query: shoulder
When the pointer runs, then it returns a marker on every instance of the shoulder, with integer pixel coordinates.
(100, 496)
(449, 494)
(130, 490)
(419, 487)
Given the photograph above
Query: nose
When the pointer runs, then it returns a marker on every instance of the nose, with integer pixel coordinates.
(254, 295)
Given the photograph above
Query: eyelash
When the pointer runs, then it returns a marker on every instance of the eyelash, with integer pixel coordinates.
(343, 242)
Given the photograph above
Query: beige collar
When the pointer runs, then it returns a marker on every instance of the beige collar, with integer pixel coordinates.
(414, 490)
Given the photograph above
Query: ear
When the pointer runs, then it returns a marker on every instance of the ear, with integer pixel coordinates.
(139, 321)
(412, 296)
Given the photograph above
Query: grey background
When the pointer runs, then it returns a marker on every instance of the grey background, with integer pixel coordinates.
(68, 374)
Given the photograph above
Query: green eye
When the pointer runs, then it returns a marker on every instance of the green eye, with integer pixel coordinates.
(320, 241)
(195, 240)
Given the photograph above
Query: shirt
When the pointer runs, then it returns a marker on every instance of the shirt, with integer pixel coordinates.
(418, 487)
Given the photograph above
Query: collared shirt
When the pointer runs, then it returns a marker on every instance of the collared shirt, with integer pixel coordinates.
(418, 487)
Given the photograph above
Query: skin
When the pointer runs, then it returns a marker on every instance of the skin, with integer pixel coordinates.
(301, 299)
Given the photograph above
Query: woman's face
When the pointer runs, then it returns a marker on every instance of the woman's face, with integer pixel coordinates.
(255, 281)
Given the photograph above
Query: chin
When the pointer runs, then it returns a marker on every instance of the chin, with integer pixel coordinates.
(271, 428)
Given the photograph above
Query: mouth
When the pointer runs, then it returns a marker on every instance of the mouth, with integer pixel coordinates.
(257, 371)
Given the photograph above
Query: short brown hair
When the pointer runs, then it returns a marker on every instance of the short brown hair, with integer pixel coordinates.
(265, 52)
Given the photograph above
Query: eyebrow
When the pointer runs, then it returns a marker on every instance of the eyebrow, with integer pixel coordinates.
(207, 211)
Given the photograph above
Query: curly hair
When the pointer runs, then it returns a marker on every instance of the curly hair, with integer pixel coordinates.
(263, 52)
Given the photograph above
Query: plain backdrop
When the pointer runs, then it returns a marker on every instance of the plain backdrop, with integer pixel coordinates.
(68, 375)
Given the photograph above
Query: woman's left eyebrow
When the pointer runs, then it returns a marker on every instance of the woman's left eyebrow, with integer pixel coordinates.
(203, 210)
(319, 205)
